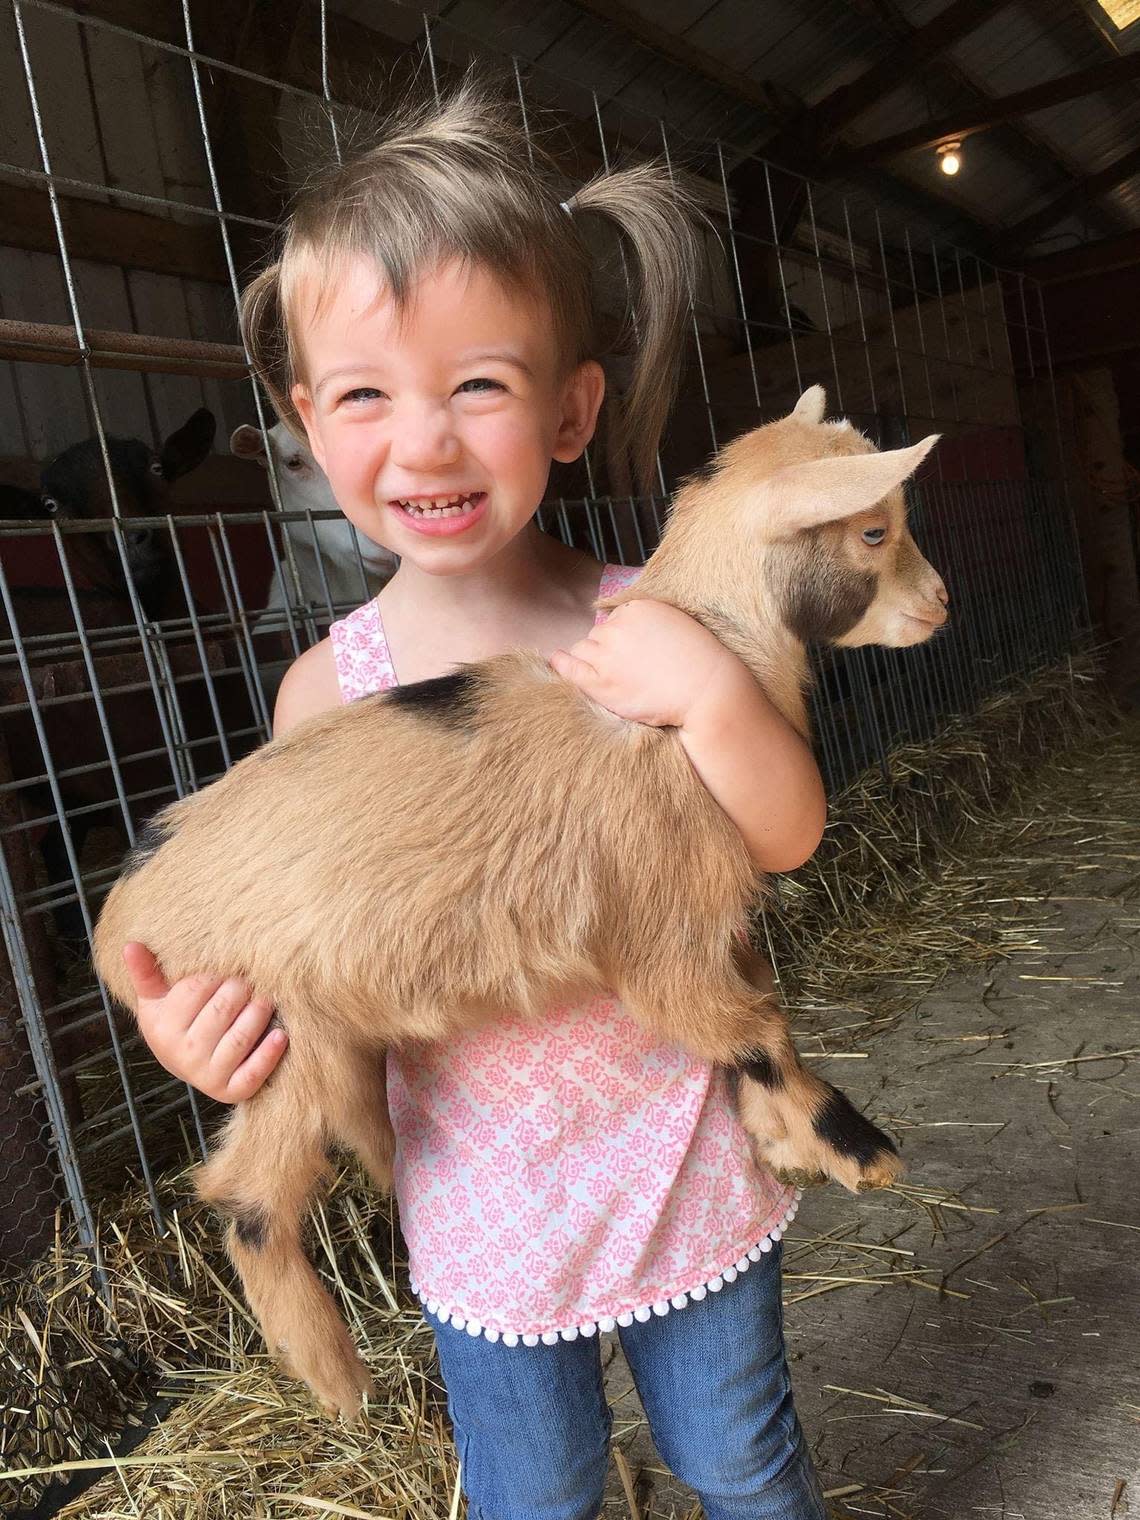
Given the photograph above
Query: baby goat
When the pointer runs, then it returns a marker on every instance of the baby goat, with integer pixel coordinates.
(559, 850)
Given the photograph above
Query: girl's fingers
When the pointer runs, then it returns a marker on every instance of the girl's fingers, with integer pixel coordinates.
(572, 666)
(215, 1011)
(239, 1040)
(142, 968)
(257, 1066)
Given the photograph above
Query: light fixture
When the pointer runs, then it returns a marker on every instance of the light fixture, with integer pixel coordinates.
(950, 157)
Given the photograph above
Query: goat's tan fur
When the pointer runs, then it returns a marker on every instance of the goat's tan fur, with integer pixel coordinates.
(558, 849)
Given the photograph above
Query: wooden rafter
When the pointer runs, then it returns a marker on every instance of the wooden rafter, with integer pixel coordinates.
(1077, 195)
(967, 121)
(924, 43)
(112, 235)
(679, 50)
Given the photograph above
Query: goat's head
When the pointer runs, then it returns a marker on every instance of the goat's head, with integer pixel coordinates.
(821, 514)
(300, 479)
(74, 485)
(304, 487)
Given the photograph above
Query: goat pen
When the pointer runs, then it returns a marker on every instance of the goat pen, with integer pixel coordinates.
(137, 657)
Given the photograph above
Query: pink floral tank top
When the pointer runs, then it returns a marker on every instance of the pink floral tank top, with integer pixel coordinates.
(559, 1178)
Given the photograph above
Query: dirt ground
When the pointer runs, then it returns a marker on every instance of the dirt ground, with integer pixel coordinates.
(971, 1346)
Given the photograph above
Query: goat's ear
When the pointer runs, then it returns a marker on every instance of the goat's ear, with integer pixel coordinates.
(248, 442)
(824, 490)
(812, 405)
(185, 450)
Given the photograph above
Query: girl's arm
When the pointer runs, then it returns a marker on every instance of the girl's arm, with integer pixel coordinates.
(208, 1030)
(652, 663)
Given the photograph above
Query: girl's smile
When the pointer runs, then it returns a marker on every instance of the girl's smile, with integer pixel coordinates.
(443, 515)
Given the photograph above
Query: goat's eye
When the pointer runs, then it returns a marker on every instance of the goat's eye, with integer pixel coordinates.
(874, 536)
(294, 464)
(156, 467)
(49, 504)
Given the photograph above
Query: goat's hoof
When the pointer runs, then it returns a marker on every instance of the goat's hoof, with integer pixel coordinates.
(345, 1396)
(883, 1172)
(334, 1372)
(801, 1177)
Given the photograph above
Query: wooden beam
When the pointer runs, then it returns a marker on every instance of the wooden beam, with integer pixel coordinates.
(990, 113)
(831, 114)
(1089, 259)
(53, 343)
(1078, 195)
(761, 93)
(112, 235)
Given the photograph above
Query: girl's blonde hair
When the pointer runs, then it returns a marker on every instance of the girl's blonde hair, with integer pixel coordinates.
(461, 178)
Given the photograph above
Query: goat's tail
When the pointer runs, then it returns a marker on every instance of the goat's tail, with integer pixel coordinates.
(263, 1174)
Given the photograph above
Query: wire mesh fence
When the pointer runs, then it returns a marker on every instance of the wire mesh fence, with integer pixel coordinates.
(154, 590)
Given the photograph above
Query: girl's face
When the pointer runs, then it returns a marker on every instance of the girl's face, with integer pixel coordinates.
(436, 427)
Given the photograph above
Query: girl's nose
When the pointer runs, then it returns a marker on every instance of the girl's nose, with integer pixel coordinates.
(423, 438)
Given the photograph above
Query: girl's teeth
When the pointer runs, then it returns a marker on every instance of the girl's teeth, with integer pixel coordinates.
(457, 506)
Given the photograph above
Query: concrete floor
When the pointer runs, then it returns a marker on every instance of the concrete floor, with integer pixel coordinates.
(1001, 1378)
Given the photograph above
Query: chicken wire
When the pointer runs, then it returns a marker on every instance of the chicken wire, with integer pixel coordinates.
(119, 707)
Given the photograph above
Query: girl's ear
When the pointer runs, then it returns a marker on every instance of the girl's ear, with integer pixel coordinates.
(581, 401)
(301, 399)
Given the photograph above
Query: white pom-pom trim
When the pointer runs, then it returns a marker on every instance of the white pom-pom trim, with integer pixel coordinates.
(446, 1315)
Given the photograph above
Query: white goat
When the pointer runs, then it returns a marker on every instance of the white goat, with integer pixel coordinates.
(335, 548)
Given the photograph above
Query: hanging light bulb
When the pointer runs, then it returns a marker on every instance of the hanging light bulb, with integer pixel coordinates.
(950, 157)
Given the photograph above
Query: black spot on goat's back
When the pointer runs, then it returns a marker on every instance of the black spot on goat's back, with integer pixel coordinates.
(845, 1129)
(449, 699)
(148, 841)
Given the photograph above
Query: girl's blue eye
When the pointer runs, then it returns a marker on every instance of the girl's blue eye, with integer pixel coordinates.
(362, 392)
(874, 536)
(481, 381)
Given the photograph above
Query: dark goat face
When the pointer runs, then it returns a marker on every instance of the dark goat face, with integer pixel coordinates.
(17, 503)
(74, 486)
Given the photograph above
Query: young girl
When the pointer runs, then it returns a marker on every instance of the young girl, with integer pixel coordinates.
(430, 326)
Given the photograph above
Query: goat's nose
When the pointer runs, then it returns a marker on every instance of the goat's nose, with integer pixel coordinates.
(943, 594)
(140, 538)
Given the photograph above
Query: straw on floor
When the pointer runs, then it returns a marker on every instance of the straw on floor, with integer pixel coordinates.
(911, 880)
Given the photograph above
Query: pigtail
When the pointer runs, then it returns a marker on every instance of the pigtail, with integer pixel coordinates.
(658, 216)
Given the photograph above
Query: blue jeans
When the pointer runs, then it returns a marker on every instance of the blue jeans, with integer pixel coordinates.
(532, 1426)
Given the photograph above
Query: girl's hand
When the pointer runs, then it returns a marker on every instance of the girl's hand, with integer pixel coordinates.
(205, 1029)
(648, 662)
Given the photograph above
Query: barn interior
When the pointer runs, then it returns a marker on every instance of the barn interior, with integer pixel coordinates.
(931, 208)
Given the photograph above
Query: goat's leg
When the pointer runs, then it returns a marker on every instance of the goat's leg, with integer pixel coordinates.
(802, 1128)
(360, 1121)
(270, 1159)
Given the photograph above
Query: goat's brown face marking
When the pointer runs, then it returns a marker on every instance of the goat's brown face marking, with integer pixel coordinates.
(823, 598)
